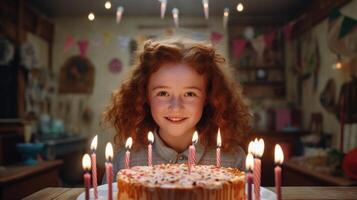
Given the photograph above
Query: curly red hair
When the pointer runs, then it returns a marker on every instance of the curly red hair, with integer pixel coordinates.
(129, 111)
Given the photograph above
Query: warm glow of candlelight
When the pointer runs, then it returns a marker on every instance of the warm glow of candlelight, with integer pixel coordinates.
(93, 145)
(278, 155)
(128, 143)
(219, 139)
(91, 16)
(240, 7)
(249, 162)
(86, 163)
(251, 147)
(151, 137)
(260, 148)
(195, 137)
(109, 151)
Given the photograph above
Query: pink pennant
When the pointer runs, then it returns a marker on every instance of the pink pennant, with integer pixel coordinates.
(287, 31)
(216, 37)
(68, 43)
(238, 46)
(268, 38)
(83, 46)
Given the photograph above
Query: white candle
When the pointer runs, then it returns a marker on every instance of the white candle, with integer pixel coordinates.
(93, 147)
(218, 151)
(109, 169)
(128, 144)
(279, 158)
(151, 141)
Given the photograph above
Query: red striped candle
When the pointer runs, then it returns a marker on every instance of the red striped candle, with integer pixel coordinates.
(151, 140)
(279, 158)
(109, 169)
(86, 164)
(93, 147)
(257, 178)
(128, 144)
(218, 151)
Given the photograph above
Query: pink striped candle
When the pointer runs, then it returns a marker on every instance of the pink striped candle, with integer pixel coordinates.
(86, 164)
(249, 165)
(218, 151)
(128, 144)
(257, 178)
(109, 169)
(279, 158)
(94, 166)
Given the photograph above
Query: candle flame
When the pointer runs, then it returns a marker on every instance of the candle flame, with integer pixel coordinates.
(260, 148)
(195, 137)
(86, 162)
(249, 162)
(278, 154)
(251, 147)
(109, 151)
(219, 139)
(151, 137)
(128, 143)
(93, 145)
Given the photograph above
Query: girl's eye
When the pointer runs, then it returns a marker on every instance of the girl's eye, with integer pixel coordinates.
(190, 94)
(163, 94)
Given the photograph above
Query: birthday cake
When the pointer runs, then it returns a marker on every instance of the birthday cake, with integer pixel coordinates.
(172, 181)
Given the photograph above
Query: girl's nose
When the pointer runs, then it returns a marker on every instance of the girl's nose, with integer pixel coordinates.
(176, 103)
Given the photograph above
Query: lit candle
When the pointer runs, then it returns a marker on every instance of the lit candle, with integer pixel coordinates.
(205, 8)
(151, 141)
(86, 176)
(192, 152)
(120, 11)
(128, 144)
(279, 158)
(258, 149)
(109, 168)
(250, 147)
(249, 165)
(218, 153)
(93, 147)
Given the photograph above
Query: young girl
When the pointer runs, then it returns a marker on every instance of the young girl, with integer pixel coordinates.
(177, 88)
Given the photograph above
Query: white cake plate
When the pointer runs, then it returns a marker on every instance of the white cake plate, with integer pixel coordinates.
(265, 194)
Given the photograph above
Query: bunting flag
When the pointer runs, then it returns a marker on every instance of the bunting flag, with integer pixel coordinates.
(97, 41)
(123, 42)
(216, 37)
(287, 31)
(107, 37)
(335, 13)
(115, 66)
(269, 38)
(348, 24)
(83, 46)
(238, 46)
(259, 45)
(68, 43)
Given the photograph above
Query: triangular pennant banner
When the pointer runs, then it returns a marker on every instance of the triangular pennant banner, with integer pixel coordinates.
(68, 43)
(347, 25)
(216, 37)
(238, 46)
(269, 38)
(335, 13)
(287, 31)
(83, 46)
(107, 36)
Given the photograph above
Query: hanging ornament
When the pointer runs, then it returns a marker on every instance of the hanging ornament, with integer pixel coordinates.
(120, 11)
(225, 17)
(205, 8)
(115, 66)
(175, 15)
(240, 7)
(249, 33)
(163, 8)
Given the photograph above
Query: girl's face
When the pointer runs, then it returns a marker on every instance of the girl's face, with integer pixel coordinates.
(176, 94)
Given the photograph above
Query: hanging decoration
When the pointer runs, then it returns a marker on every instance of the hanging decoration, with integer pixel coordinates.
(238, 46)
(119, 15)
(205, 8)
(348, 24)
(225, 17)
(123, 42)
(107, 37)
(115, 66)
(163, 8)
(269, 38)
(216, 37)
(259, 45)
(287, 29)
(83, 46)
(68, 43)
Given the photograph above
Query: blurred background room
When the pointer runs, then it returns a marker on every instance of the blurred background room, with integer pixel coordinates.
(60, 61)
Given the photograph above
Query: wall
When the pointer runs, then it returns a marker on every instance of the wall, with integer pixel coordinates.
(106, 82)
(310, 98)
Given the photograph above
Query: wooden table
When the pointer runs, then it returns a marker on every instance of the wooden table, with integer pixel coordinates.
(290, 193)
(19, 181)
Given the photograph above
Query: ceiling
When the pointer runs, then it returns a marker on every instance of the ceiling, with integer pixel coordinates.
(280, 10)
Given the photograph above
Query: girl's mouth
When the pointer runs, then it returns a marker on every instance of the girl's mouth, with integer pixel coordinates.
(176, 119)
